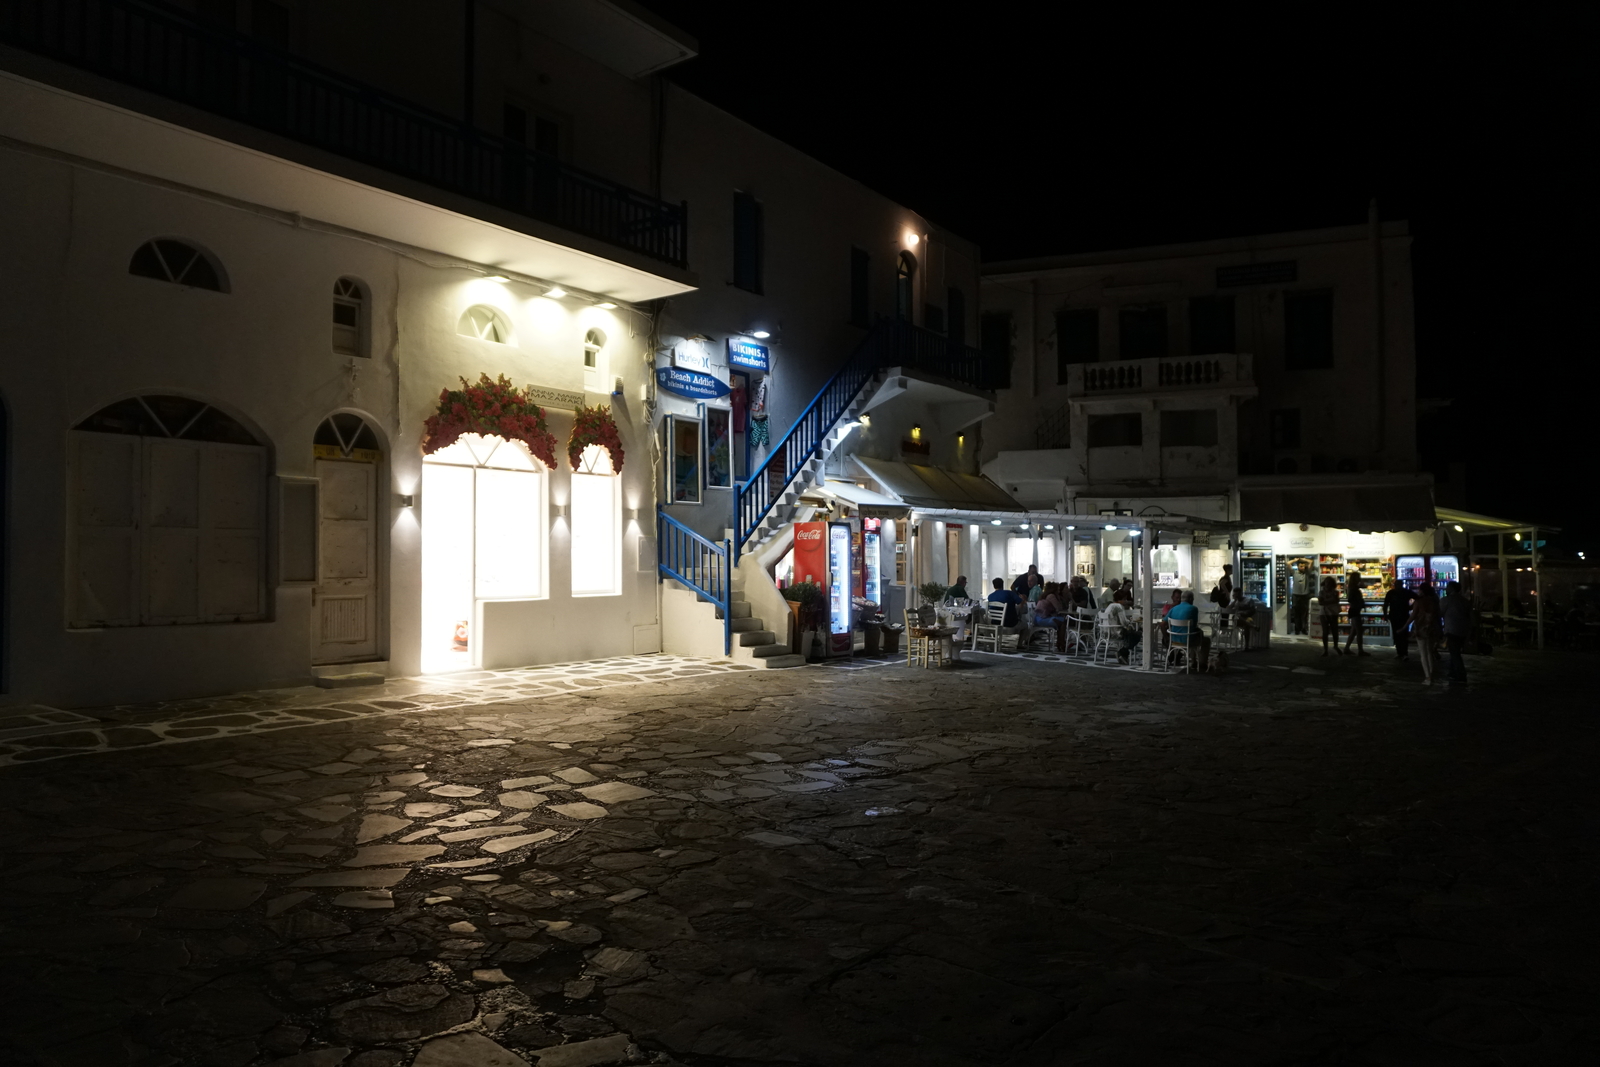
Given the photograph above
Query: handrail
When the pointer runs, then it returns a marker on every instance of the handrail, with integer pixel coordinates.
(166, 51)
(699, 563)
(891, 343)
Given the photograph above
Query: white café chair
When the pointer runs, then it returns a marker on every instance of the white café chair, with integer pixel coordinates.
(1185, 629)
(1103, 640)
(986, 627)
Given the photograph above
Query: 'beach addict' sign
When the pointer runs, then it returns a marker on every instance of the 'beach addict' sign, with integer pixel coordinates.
(690, 383)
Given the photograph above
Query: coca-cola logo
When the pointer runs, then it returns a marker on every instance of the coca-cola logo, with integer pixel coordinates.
(808, 535)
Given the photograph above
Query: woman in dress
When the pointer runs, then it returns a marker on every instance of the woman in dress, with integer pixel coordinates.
(1352, 592)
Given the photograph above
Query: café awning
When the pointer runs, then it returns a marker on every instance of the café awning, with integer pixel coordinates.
(871, 505)
(922, 486)
(1363, 508)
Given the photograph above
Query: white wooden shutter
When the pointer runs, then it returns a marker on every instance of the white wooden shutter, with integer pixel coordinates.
(232, 539)
(171, 531)
(106, 473)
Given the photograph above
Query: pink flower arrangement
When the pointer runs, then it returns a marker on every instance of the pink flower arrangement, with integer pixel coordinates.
(491, 408)
(594, 426)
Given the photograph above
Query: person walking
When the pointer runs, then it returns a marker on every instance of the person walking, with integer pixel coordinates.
(1425, 627)
(1300, 587)
(1328, 608)
(1397, 608)
(1455, 612)
(1354, 597)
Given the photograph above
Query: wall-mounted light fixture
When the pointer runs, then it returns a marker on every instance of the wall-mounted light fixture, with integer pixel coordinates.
(761, 335)
(866, 420)
(912, 239)
(631, 514)
(961, 438)
(558, 511)
(405, 500)
(916, 432)
(1459, 529)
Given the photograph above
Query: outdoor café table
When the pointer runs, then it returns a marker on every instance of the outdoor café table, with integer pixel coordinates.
(945, 635)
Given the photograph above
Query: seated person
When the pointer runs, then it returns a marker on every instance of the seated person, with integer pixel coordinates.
(1012, 601)
(1243, 609)
(1036, 590)
(1186, 612)
(1125, 629)
(1177, 598)
(1081, 600)
(1053, 604)
(959, 590)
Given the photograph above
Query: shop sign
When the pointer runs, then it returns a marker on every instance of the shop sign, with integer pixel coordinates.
(747, 355)
(1302, 543)
(691, 357)
(690, 383)
(1202, 539)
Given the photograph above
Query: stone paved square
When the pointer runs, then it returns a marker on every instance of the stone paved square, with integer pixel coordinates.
(1012, 862)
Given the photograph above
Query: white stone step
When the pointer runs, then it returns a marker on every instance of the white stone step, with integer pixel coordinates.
(775, 662)
(747, 625)
(754, 639)
(773, 649)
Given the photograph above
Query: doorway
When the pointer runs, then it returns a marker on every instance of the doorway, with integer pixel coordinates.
(345, 600)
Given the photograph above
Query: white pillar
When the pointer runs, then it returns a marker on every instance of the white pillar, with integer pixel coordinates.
(1142, 590)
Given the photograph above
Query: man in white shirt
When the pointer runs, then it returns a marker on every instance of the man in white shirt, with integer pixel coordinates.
(1124, 624)
(1301, 586)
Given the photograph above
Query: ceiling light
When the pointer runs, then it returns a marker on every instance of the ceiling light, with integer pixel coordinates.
(1072, 527)
(994, 522)
(1459, 529)
(497, 278)
(1111, 526)
(555, 292)
(760, 335)
(1049, 526)
(606, 305)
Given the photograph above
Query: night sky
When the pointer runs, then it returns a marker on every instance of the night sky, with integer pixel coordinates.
(1071, 130)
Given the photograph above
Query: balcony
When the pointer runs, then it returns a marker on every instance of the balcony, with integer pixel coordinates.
(162, 51)
(1229, 373)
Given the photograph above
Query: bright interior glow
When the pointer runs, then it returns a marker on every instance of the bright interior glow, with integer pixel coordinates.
(606, 305)
(596, 535)
(1019, 556)
(760, 335)
(555, 292)
(483, 537)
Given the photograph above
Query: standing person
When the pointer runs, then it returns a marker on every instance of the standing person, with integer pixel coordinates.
(1456, 612)
(1357, 601)
(1225, 586)
(1023, 582)
(1397, 608)
(1328, 608)
(1425, 627)
(1300, 587)
(1035, 588)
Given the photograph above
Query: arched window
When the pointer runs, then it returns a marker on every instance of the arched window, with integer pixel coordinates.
(167, 260)
(350, 318)
(346, 436)
(904, 274)
(486, 324)
(593, 342)
(168, 506)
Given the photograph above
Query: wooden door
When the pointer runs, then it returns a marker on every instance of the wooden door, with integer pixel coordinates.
(345, 601)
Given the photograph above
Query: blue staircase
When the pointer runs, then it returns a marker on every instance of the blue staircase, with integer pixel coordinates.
(699, 564)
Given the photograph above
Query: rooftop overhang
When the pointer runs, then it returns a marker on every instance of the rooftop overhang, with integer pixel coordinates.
(306, 186)
(617, 33)
(923, 487)
(1365, 504)
(1471, 522)
(951, 407)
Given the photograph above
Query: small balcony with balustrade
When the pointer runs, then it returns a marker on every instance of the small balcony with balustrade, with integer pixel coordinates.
(1223, 374)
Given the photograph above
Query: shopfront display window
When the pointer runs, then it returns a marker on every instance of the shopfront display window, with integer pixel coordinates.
(719, 448)
(596, 535)
(683, 460)
(483, 538)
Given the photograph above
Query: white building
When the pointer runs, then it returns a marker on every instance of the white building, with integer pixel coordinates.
(246, 257)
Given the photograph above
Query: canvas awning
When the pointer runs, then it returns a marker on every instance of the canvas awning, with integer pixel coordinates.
(1364, 508)
(871, 505)
(935, 487)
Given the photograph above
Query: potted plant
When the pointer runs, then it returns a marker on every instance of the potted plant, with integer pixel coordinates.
(931, 594)
(803, 598)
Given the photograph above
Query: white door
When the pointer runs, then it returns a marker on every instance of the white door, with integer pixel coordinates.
(345, 601)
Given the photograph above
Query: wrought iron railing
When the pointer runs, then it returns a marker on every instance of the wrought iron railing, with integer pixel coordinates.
(165, 51)
(698, 563)
(891, 343)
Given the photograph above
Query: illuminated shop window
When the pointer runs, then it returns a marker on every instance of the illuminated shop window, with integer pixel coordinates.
(483, 538)
(1019, 556)
(596, 527)
(486, 324)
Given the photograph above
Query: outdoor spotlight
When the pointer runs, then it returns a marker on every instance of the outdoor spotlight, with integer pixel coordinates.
(555, 292)
(407, 500)
(1459, 529)
(912, 239)
(497, 278)
(606, 305)
(916, 431)
(760, 335)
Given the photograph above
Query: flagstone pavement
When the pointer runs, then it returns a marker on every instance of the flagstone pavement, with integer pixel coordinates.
(1011, 862)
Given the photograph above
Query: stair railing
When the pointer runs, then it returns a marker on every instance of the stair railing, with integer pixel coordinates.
(699, 563)
(891, 343)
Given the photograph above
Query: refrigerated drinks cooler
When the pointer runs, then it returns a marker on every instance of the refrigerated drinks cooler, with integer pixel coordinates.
(1412, 571)
(1255, 575)
(823, 554)
(871, 542)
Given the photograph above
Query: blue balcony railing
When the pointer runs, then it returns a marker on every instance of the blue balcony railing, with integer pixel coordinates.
(163, 50)
(892, 343)
(700, 564)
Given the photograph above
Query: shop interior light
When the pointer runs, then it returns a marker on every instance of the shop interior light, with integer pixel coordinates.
(606, 305)
(761, 335)
(555, 292)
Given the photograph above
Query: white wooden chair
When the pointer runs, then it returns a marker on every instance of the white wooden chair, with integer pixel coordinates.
(921, 650)
(1180, 637)
(1104, 640)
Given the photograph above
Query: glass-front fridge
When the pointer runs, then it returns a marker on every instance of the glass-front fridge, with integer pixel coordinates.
(1255, 575)
(841, 625)
(1411, 571)
(871, 544)
(1443, 569)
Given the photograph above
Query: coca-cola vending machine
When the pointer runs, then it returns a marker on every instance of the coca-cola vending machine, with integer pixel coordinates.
(823, 554)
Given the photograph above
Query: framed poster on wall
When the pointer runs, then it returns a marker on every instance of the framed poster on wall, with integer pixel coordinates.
(684, 479)
(719, 448)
